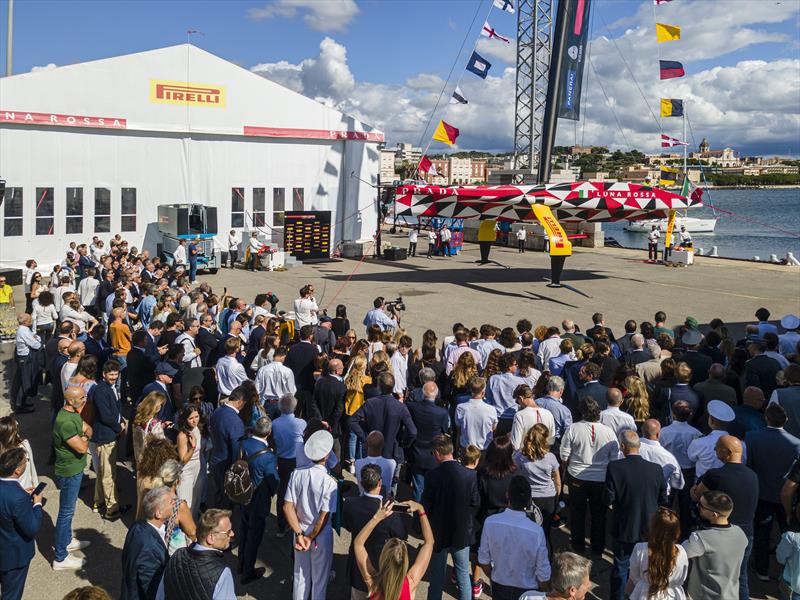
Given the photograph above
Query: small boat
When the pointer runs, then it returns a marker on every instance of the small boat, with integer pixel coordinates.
(692, 224)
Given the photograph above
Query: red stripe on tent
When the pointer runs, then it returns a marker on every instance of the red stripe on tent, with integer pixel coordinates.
(312, 134)
(23, 117)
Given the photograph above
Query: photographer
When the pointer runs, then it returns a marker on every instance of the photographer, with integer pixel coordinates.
(305, 307)
(378, 316)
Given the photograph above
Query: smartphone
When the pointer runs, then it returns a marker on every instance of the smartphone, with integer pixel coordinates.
(39, 488)
(401, 508)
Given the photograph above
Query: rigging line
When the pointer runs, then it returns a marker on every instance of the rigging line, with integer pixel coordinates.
(452, 68)
(610, 106)
(630, 71)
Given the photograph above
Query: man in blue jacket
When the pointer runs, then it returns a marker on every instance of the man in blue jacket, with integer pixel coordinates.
(164, 372)
(144, 555)
(20, 521)
(264, 476)
(227, 429)
(108, 428)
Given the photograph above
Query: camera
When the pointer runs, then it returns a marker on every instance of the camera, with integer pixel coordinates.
(396, 305)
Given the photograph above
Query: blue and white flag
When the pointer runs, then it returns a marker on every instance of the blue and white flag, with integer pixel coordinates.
(458, 97)
(478, 65)
(506, 5)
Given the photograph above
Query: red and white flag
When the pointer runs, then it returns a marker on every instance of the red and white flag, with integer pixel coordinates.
(488, 31)
(426, 166)
(657, 2)
(669, 142)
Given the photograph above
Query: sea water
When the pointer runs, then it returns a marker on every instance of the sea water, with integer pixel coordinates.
(762, 222)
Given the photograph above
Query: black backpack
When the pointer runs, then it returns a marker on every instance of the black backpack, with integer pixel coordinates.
(237, 484)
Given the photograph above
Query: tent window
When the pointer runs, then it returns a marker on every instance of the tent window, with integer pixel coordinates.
(12, 215)
(278, 206)
(298, 199)
(44, 211)
(259, 215)
(128, 218)
(74, 210)
(102, 210)
(237, 207)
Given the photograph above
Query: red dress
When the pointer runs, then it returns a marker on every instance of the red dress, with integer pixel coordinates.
(405, 592)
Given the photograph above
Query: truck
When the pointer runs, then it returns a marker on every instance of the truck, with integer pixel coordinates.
(189, 222)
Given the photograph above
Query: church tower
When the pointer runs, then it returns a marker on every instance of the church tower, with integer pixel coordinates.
(704, 147)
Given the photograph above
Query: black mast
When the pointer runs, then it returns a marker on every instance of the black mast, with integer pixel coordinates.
(551, 117)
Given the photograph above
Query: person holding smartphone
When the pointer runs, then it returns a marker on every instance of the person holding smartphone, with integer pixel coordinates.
(393, 580)
(20, 522)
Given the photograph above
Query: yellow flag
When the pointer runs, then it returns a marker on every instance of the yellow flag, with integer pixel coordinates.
(667, 33)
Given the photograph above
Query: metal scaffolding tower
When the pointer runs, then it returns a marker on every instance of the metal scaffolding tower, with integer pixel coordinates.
(534, 42)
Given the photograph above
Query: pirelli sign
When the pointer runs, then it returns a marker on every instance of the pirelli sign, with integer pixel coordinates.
(185, 93)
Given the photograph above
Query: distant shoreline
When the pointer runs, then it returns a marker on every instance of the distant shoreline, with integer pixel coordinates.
(751, 187)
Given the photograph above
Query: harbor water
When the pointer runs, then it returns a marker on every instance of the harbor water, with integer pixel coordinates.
(763, 222)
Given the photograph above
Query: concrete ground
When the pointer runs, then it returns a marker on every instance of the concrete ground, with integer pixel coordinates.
(437, 292)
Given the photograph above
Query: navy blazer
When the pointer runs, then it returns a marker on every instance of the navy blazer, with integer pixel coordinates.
(635, 487)
(328, 403)
(144, 557)
(451, 499)
(300, 360)
(700, 364)
(596, 390)
(208, 341)
(167, 412)
(431, 420)
(106, 426)
(20, 522)
(140, 370)
(770, 453)
(227, 429)
(389, 416)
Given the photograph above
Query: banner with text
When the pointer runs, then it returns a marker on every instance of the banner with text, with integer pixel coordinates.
(572, 61)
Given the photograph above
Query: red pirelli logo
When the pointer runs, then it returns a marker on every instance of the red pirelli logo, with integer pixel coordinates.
(185, 93)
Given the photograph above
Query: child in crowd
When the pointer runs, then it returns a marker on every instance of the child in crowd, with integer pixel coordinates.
(470, 456)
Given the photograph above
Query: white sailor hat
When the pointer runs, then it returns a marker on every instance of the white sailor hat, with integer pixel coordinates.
(318, 446)
(790, 322)
(721, 411)
(692, 337)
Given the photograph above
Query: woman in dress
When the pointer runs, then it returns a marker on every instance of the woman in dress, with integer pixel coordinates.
(37, 287)
(659, 566)
(340, 323)
(145, 423)
(374, 340)
(10, 438)
(540, 467)
(190, 456)
(180, 529)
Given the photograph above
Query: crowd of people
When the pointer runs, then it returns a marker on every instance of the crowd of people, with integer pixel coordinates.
(480, 443)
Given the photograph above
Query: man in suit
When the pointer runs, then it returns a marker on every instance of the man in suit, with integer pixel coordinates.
(144, 555)
(386, 414)
(625, 342)
(599, 327)
(589, 376)
(152, 348)
(208, 338)
(699, 362)
(141, 367)
(451, 500)
(636, 354)
(263, 466)
(328, 402)
(357, 512)
(301, 361)
(226, 431)
(163, 373)
(65, 332)
(430, 421)
(770, 453)
(634, 488)
(324, 336)
(760, 370)
(254, 342)
(20, 521)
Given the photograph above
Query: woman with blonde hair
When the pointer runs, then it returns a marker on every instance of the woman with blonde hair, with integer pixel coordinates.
(539, 466)
(637, 402)
(660, 565)
(355, 381)
(493, 364)
(146, 424)
(381, 357)
(465, 369)
(148, 470)
(393, 579)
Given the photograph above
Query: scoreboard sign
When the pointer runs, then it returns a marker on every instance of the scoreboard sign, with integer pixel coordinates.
(307, 234)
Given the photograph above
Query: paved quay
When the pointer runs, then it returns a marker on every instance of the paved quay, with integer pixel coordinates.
(437, 292)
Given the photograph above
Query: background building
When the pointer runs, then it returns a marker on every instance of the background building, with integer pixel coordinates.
(94, 148)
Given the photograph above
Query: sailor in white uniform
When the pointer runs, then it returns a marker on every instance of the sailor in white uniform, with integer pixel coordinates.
(686, 238)
(703, 451)
(310, 502)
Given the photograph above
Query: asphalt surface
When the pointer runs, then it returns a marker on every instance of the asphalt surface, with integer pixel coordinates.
(437, 292)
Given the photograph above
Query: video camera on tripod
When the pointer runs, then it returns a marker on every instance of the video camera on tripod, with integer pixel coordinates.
(395, 306)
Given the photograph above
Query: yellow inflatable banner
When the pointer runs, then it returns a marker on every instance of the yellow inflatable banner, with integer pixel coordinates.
(486, 230)
(559, 244)
(670, 227)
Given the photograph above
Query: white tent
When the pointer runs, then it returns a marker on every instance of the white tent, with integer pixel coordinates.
(93, 149)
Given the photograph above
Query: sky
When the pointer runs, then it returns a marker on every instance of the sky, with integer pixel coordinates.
(386, 62)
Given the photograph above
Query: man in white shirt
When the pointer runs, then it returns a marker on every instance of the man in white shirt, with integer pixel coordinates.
(431, 242)
(412, 242)
(399, 360)
(179, 256)
(486, 343)
(788, 341)
(253, 245)
(445, 236)
(521, 235)
(75, 351)
(702, 451)
(525, 567)
(233, 247)
(191, 353)
(273, 381)
(305, 307)
(615, 418)
(550, 347)
(475, 419)
(686, 238)
(374, 446)
(230, 372)
(87, 290)
(529, 415)
(652, 243)
(652, 450)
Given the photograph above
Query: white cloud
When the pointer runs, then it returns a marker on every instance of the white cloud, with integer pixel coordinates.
(46, 67)
(321, 15)
(750, 104)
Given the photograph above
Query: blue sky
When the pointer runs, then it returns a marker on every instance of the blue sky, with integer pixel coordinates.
(390, 42)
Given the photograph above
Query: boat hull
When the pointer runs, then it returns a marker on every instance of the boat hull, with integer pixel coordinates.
(692, 224)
